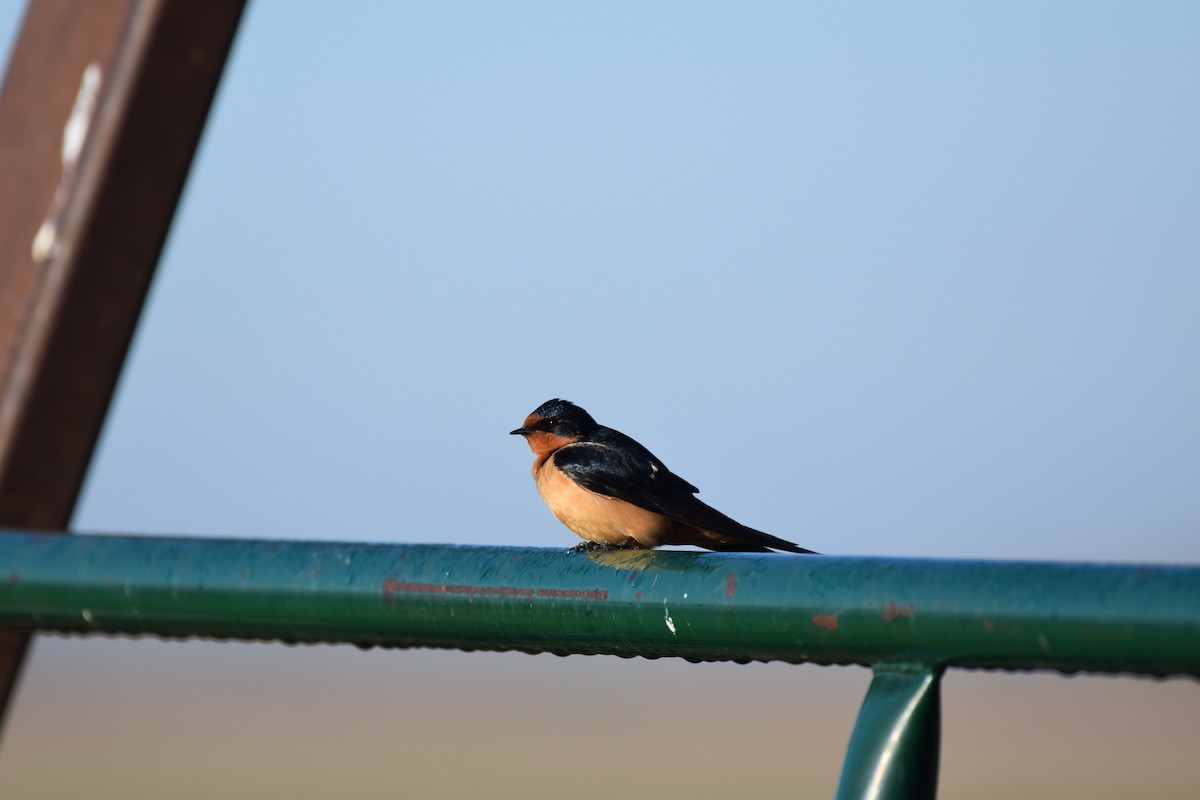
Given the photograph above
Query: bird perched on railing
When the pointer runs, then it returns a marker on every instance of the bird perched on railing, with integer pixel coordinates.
(613, 492)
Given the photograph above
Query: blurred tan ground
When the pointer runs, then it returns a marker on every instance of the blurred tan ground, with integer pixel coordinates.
(145, 719)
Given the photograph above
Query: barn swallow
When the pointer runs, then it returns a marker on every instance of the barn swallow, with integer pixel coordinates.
(613, 492)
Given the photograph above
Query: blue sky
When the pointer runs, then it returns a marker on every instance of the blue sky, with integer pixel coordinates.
(903, 280)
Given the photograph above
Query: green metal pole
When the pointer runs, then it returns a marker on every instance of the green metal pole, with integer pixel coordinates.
(700, 606)
(893, 753)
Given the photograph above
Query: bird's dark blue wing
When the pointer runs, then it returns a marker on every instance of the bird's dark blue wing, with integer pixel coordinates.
(617, 466)
(620, 472)
(641, 460)
(639, 477)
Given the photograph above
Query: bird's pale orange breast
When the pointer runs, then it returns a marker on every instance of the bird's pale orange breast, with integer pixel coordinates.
(596, 517)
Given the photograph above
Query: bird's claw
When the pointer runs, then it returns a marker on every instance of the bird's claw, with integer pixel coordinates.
(600, 547)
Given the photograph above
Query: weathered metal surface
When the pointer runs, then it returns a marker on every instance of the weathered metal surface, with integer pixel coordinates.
(100, 113)
(893, 753)
(702, 606)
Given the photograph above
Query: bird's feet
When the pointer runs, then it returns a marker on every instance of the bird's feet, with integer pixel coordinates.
(589, 547)
(600, 547)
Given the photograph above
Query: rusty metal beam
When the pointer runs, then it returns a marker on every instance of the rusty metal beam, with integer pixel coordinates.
(101, 110)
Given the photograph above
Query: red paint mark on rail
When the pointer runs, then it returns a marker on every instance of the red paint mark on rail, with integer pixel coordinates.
(583, 594)
(392, 587)
(731, 584)
(827, 621)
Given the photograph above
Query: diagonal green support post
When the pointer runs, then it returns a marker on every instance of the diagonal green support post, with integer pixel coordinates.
(894, 749)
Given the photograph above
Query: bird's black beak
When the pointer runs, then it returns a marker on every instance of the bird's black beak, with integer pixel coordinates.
(520, 432)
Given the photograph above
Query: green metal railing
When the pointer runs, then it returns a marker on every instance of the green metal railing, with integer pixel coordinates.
(907, 619)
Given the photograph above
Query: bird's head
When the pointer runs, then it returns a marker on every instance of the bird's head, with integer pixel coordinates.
(553, 424)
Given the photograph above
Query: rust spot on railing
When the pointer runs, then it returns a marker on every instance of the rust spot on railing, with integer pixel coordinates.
(892, 612)
(731, 585)
(827, 621)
